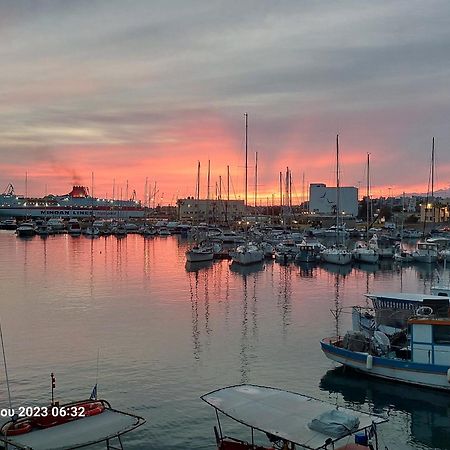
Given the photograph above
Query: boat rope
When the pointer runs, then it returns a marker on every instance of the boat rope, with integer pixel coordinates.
(6, 367)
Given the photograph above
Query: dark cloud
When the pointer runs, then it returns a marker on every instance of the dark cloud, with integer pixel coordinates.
(115, 73)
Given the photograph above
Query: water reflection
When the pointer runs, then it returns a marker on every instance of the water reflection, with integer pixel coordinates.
(195, 326)
(428, 411)
(197, 266)
(193, 289)
(307, 270)
(285, 296)
(369, 268)
(246, 270)
(337, 269)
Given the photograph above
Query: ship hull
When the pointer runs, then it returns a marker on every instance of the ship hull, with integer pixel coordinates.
(68, 212)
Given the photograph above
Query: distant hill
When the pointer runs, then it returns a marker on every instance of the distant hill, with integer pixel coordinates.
(444, 193)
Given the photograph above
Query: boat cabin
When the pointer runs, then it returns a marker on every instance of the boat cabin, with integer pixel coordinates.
(430, 340)
(392, 310)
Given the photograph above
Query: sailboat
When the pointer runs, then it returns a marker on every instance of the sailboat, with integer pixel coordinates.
(427, 252)
(401, 254)
(338, 254)
(367, 253)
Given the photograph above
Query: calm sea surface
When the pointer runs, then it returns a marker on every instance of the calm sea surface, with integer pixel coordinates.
(167, 332)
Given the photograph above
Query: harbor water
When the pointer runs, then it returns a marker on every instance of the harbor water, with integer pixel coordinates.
(167, 332)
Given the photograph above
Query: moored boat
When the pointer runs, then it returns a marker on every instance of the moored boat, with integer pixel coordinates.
(74, 227)
(287, 420)
(426, 252)
(423, 359)
(26, 229)
(200, 252)
(248, 253)
(77, 203)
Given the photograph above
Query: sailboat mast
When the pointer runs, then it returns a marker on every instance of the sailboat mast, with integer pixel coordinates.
(337, 188)
(198, 181)
(281, 194)
(228, 183)
(209, 177)
(368, 197)
(256, 178)
(303, 194)
(246, 155)
(432, 170)
(432, 182)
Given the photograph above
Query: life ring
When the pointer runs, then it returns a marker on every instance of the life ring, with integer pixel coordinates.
(17, 428)
(92, 409)
(424, 311)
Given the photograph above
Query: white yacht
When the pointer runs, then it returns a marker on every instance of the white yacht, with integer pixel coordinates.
(200, 252)
(426, 252)
(337, 255)
(248, 253)
(56, 224)
(367, 253)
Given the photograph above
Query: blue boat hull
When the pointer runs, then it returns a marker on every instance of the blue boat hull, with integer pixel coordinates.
(394, 369)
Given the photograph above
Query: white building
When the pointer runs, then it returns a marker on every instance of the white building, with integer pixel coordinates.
(322, 200)
(210, 211)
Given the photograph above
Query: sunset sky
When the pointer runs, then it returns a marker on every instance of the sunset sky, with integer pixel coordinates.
(136, 89)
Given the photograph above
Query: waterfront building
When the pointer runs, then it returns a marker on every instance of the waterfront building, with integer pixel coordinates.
(322, 199)
(434, 213)
(210, 211)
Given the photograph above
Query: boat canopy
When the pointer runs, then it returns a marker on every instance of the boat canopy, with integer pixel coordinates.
(284, 414)
(78, 433)
(405, 296)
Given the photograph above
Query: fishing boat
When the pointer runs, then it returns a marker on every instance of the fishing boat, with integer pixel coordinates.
(287, 420)
(422, 359)
(309, 250)
(69, 426)
(56, 426)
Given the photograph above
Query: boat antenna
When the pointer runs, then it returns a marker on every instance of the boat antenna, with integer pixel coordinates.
(52, 375)
(6, 367)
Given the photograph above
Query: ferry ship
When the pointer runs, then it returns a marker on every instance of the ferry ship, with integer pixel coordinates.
(77, 203)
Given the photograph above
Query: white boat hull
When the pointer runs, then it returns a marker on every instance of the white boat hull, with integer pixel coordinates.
(365, 255)
(340, 258)
(427, 259)
(248, 257)
(199, 256)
